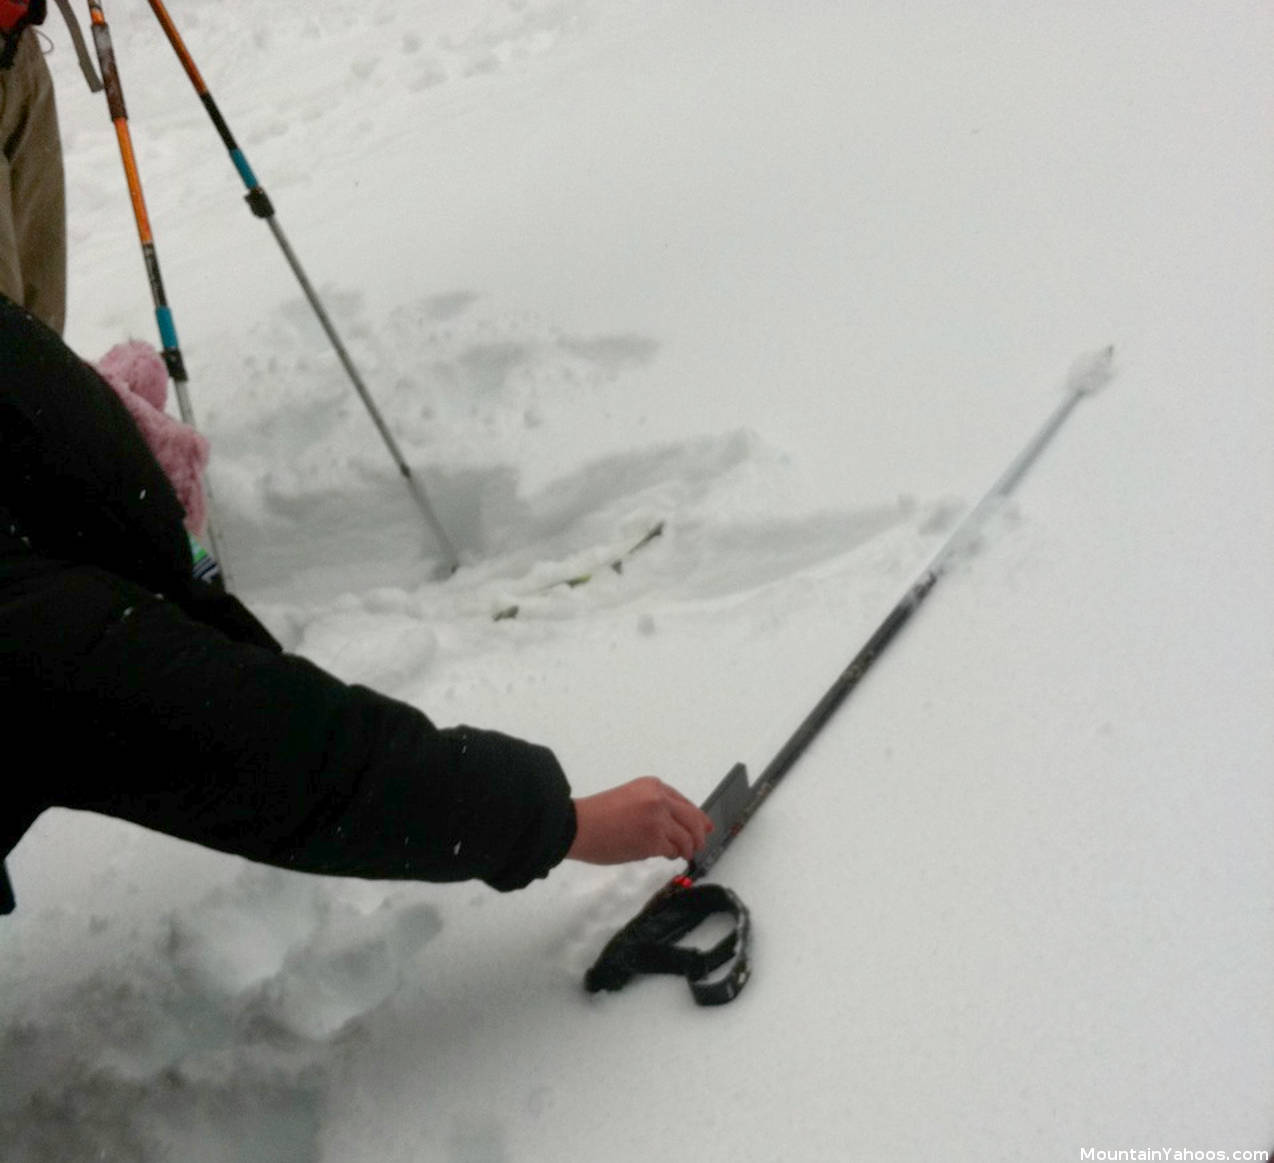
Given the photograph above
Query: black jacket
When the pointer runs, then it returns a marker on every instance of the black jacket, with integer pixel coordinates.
(129, 688)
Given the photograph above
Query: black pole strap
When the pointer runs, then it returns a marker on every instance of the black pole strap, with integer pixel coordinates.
(649, 944)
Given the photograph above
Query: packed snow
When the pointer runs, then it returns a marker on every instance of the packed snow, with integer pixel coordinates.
(797, 285)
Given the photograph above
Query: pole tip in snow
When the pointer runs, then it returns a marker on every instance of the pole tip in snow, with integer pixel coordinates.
(1092, 371)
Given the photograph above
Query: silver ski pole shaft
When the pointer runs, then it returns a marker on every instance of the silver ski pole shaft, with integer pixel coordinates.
(1087, 374)
(648, 943)
(414, 486)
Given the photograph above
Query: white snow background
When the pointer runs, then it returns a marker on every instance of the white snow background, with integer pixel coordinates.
(798, 280)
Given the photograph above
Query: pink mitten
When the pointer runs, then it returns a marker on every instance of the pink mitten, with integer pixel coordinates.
(140, 378)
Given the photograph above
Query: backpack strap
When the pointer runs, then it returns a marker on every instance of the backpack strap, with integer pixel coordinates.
(81, 49)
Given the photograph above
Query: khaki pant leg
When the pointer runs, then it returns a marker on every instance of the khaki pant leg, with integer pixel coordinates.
(32, 190)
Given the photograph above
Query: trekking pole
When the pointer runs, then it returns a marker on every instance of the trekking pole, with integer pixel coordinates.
(648, 943)
(259, 203)
(163, 313)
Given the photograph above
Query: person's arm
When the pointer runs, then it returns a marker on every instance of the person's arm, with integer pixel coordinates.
(136, 710)
(183, 714)
(143, 713)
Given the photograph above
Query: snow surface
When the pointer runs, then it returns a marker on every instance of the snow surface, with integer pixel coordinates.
(798, 280)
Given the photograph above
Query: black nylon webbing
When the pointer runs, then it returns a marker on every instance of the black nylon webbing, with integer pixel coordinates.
(649, 944)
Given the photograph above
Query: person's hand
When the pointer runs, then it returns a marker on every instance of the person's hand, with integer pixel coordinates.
(636, 820)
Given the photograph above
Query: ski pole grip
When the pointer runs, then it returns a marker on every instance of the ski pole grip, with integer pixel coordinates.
(649, 942)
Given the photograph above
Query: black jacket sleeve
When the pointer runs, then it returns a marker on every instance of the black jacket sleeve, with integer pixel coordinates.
(138, 711)
(161, 700)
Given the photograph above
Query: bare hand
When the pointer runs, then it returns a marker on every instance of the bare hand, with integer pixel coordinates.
(635, 820)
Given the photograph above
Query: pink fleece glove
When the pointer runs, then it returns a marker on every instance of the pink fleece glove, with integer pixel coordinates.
(140, 378)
